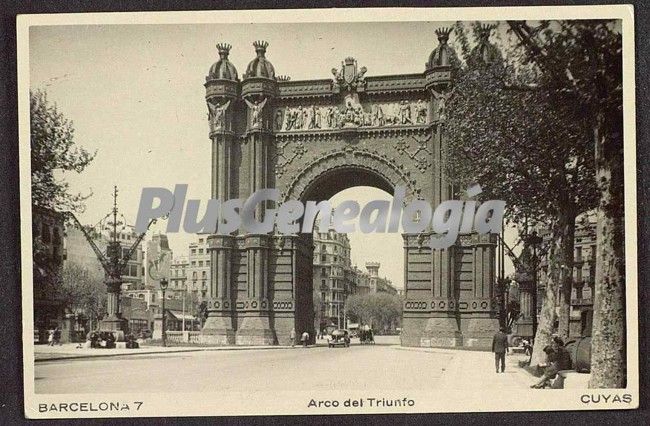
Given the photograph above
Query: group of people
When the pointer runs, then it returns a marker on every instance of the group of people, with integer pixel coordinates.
(106, 340)
(304, 338)
(557, 358)
(100, 339)
(366, 336)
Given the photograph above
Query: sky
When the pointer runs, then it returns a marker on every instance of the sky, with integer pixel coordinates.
(135, 95)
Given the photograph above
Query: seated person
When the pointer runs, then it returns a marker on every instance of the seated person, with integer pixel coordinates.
(558, 359)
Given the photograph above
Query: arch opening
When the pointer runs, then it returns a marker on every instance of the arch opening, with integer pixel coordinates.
(346, 265)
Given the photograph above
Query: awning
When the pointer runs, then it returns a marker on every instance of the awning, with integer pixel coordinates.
(179, 315)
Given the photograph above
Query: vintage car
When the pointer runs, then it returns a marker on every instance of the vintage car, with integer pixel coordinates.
(339, 338)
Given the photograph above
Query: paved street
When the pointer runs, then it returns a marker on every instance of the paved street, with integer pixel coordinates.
(317, 368)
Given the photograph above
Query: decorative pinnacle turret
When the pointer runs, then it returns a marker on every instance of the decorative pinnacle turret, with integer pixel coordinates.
(443, 34)
(260, 46)
(485, 30)
(224, 49)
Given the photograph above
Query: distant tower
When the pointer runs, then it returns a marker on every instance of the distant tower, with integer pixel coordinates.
(158, 252)
(373, 268)
(373, 271)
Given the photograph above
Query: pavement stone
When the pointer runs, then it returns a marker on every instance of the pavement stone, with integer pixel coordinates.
(475, 370)
(70, 351)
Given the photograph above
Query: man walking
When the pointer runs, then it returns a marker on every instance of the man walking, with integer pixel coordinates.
(500, 347)
(292, 337)
(305, 339)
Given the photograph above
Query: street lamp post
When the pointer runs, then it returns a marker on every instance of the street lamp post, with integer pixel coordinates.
(534, 241)
(163, 287)
(184, 290)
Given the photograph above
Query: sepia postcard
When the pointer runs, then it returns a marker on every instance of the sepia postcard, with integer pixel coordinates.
(340, 211)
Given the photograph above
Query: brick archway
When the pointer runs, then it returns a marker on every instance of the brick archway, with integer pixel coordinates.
(365, 168)
(311, 139)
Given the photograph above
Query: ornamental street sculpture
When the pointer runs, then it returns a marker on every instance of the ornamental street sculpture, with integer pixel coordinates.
(327, 135)
(114, 262)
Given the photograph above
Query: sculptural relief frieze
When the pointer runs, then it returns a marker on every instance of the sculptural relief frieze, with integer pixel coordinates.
(350, 114)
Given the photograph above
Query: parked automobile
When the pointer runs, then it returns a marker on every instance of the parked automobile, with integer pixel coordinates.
(339, 337)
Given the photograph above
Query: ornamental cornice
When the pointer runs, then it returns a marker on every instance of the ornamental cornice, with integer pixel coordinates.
(305, 89)
(359, 132)
(374, 85)
(396, 83)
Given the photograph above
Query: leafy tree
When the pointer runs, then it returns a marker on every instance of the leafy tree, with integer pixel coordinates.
(507, 132)
(356, 308)
(583, 63)
(380, 310)
(81, 292)
(53, 152)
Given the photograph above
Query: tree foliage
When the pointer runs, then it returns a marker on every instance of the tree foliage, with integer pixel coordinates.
(583, 64)
(381, 310)
(81, 292)
(509, 131)
(518, 143)
(53, 153)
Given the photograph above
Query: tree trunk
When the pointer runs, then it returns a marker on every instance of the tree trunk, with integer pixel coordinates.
(559, 277)
(608, 352)
(565, 259)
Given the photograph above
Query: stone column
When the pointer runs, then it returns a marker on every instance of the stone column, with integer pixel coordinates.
(219, 327)
(479, 320)
(442, 328)
(221, 95)
(255, 327)
(430, 308)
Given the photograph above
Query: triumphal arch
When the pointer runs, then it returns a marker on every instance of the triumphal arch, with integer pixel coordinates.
(312, 139)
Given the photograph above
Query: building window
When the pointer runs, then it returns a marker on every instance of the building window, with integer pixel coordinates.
(200, 240)
(194, 275)
(194, 263)
(200, 263)
(323, 258)
(200, 251)
(203, 275)
(323, 271)
(193, 251)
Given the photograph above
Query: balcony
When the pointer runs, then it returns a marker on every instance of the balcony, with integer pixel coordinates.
(582, 301)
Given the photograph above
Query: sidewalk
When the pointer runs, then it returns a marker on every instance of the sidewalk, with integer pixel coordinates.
(70, 351)
(475, 370)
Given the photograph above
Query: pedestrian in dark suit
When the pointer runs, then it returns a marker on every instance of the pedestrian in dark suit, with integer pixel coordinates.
(500, 347)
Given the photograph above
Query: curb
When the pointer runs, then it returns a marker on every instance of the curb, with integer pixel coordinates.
(151, 352)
